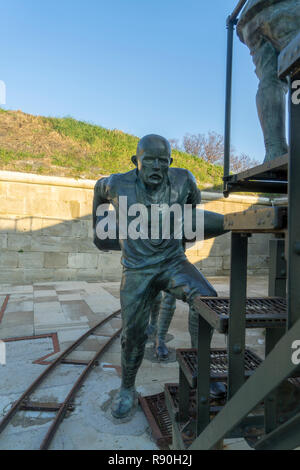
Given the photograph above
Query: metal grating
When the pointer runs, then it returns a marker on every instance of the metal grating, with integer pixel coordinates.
(266, 312)
(219, 362)
(155, 409)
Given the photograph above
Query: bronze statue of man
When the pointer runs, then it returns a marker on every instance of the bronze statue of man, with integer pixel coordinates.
(267, 27)
(149, 265)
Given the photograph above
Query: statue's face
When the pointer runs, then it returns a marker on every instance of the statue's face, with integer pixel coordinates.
(153, 168)
(153, 161)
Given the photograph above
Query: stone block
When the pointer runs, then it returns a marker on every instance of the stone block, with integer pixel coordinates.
(3, 241)
(57, 228)
(226, 262)
(53, 244)
(110, 264)
(67, 274)
(31, 260)
(258, 249)
(36, 224)
(32, 275)
(258, 262)
(85, 245)
(56, 260)
(89, 274)
(83, 260)
(23, 224)
(212, 262)
(11, 276)
(80, 228)
(12, 205)
(17, 242)
(7, 225)
(9, 259)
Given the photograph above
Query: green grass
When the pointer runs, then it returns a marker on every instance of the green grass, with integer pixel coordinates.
(8, 156)
(89, 151)
(111, 151)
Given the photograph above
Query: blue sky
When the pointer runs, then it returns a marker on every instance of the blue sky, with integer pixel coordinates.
(140, 66)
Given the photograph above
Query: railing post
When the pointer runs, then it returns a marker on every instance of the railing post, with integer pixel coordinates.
(277, 288)
(237, 319)
(230, 30)
(294, 204)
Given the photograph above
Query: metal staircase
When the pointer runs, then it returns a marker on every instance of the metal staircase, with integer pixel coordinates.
(263, 397)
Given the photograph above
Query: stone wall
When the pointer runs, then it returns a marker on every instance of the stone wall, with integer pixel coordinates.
(46, 233)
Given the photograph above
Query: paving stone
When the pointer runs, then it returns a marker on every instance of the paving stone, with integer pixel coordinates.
(71, 334)
(76, 310)
(17, 319)
(21, 297)
(47, 308)
(93, 343)
(9, 289)
(43, 286)
(75, 355)
(44, 293)
(69, 297)
(39, 300)
(84, 427)
(19, 306)
(102, 302)
(106, 330)
(16, 331)
(69, 285)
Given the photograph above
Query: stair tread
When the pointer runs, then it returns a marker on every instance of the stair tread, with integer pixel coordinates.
(261, 312)
(187, 359)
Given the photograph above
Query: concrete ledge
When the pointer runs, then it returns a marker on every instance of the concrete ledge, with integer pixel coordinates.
(30, 178)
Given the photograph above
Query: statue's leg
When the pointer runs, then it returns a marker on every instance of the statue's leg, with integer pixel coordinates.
(135, 298)
(186, 283)
(167, 309)
(271, 104)
(154, 314)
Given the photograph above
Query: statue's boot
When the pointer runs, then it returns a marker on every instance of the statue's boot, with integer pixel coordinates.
(131, 359)
(217, 390)
(270, 102)
(123, 402)
(162, 352)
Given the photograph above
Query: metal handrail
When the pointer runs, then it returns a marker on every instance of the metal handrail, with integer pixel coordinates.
(237, 10)
(230, 23)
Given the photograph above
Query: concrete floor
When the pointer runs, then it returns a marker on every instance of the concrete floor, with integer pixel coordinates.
(69, 309)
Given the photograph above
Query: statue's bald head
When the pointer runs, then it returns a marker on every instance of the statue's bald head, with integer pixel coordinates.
(152, 159)
(155, 144)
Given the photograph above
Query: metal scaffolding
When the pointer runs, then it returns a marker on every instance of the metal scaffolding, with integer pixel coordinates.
(263, 397)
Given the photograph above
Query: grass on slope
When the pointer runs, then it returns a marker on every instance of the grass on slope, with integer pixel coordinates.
(67, 147)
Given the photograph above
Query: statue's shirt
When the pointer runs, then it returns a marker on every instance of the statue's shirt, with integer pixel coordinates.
(181, 189)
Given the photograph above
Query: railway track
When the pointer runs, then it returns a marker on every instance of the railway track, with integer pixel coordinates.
(61, 409)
